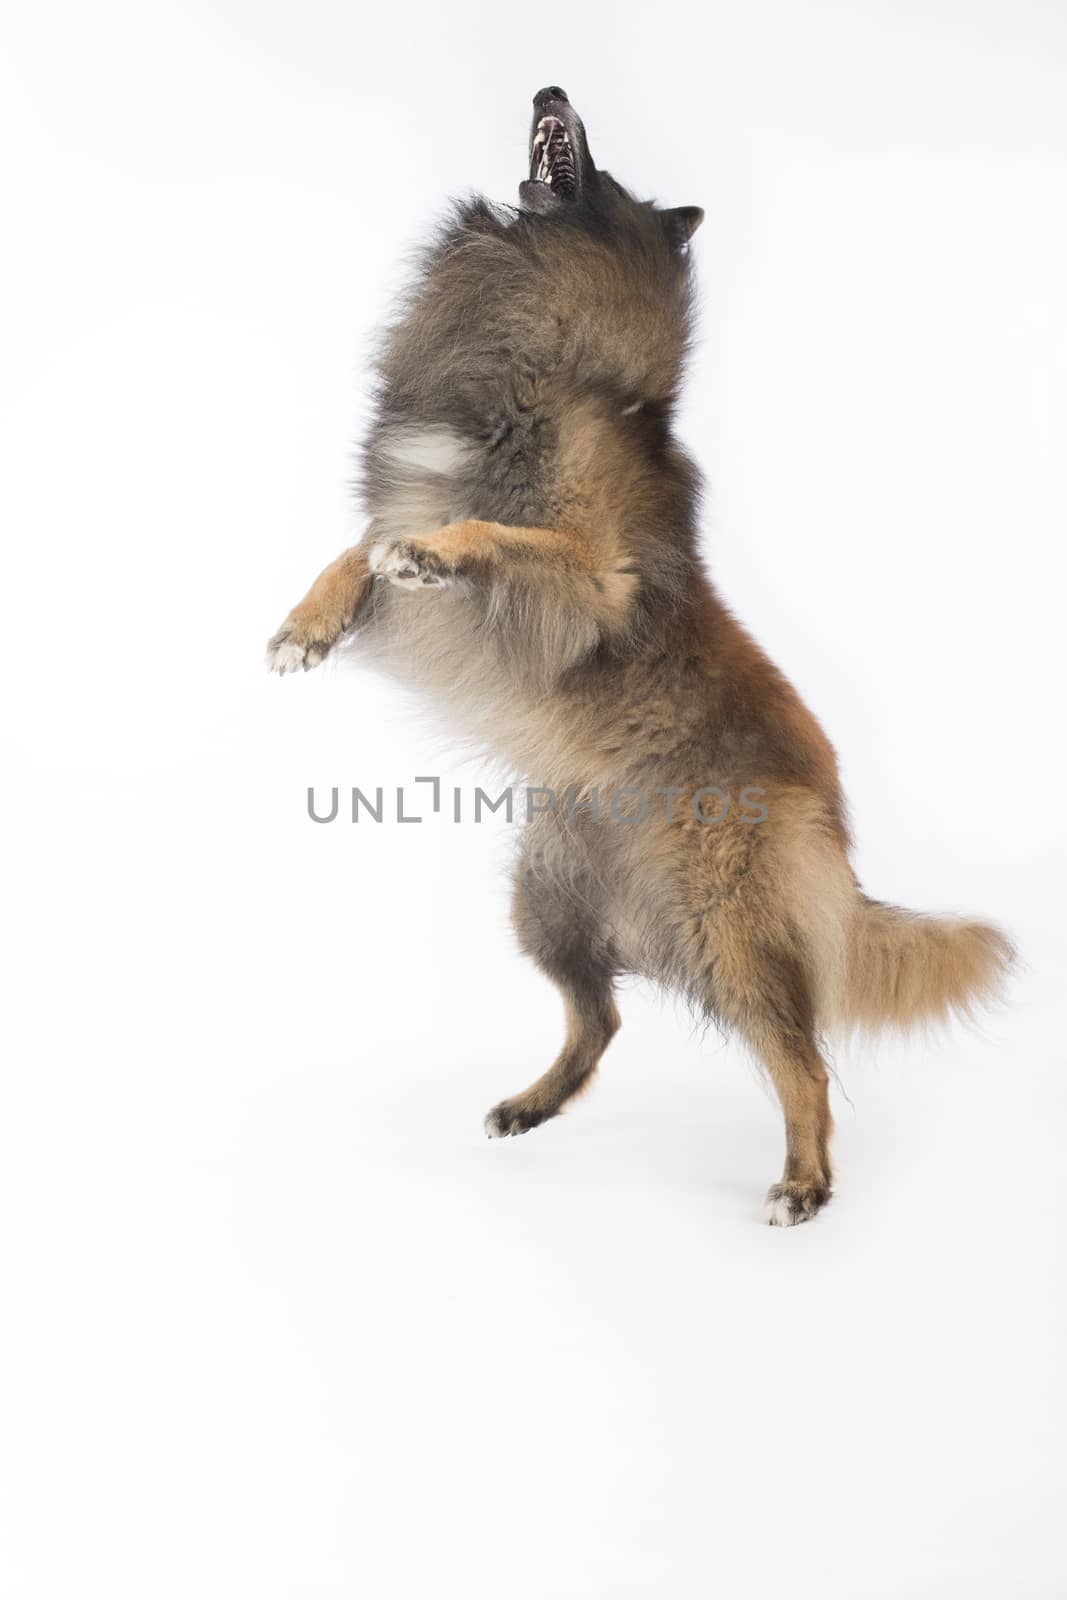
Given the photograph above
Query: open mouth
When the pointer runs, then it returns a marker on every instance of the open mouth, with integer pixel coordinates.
(552, 158)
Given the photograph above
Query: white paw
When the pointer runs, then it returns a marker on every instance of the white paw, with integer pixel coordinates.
(405, 565)
(285, 657)
(286, 654)
(511, 1118)
(779, 1213)
(790, 1203)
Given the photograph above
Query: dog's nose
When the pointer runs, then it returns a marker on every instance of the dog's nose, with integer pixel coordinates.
(544, 96)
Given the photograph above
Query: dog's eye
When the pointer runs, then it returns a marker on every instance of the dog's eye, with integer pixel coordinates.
(629, 411)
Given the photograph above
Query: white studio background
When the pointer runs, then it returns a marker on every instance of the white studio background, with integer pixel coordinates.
(276, 1319)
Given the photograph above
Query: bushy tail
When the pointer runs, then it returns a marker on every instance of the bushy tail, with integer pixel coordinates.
(903, 968)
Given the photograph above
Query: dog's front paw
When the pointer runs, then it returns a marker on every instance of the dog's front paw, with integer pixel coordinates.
(408, 563)
(298, 646)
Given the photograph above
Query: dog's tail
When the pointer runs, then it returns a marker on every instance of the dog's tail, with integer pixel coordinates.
(903, 968)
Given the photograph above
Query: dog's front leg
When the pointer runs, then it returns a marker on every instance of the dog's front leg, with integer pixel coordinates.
(560, 563)
(328, 610)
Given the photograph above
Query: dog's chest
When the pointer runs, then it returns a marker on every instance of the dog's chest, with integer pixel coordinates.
(417, 479)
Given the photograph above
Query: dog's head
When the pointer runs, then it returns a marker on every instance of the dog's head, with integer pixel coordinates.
(564, 178)
(582, 289)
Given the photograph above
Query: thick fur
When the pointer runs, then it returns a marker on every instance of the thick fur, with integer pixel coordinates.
(531, 565)
(906, 968)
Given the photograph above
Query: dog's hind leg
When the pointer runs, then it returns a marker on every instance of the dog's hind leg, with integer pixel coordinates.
(799, 1074)
(763, 993)
(560, 929)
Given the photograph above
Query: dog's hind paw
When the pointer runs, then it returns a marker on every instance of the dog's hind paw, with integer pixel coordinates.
(409, 564)
(511, 1117)
(790, 1203)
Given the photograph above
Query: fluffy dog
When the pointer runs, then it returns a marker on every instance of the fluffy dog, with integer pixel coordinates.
(531, 563)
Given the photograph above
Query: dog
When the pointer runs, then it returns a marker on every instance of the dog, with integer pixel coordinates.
(531, 565)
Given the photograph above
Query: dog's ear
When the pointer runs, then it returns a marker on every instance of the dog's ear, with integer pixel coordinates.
(681, 223)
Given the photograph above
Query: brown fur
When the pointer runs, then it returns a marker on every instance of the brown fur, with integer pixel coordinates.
(530, 564)
(328, 609)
